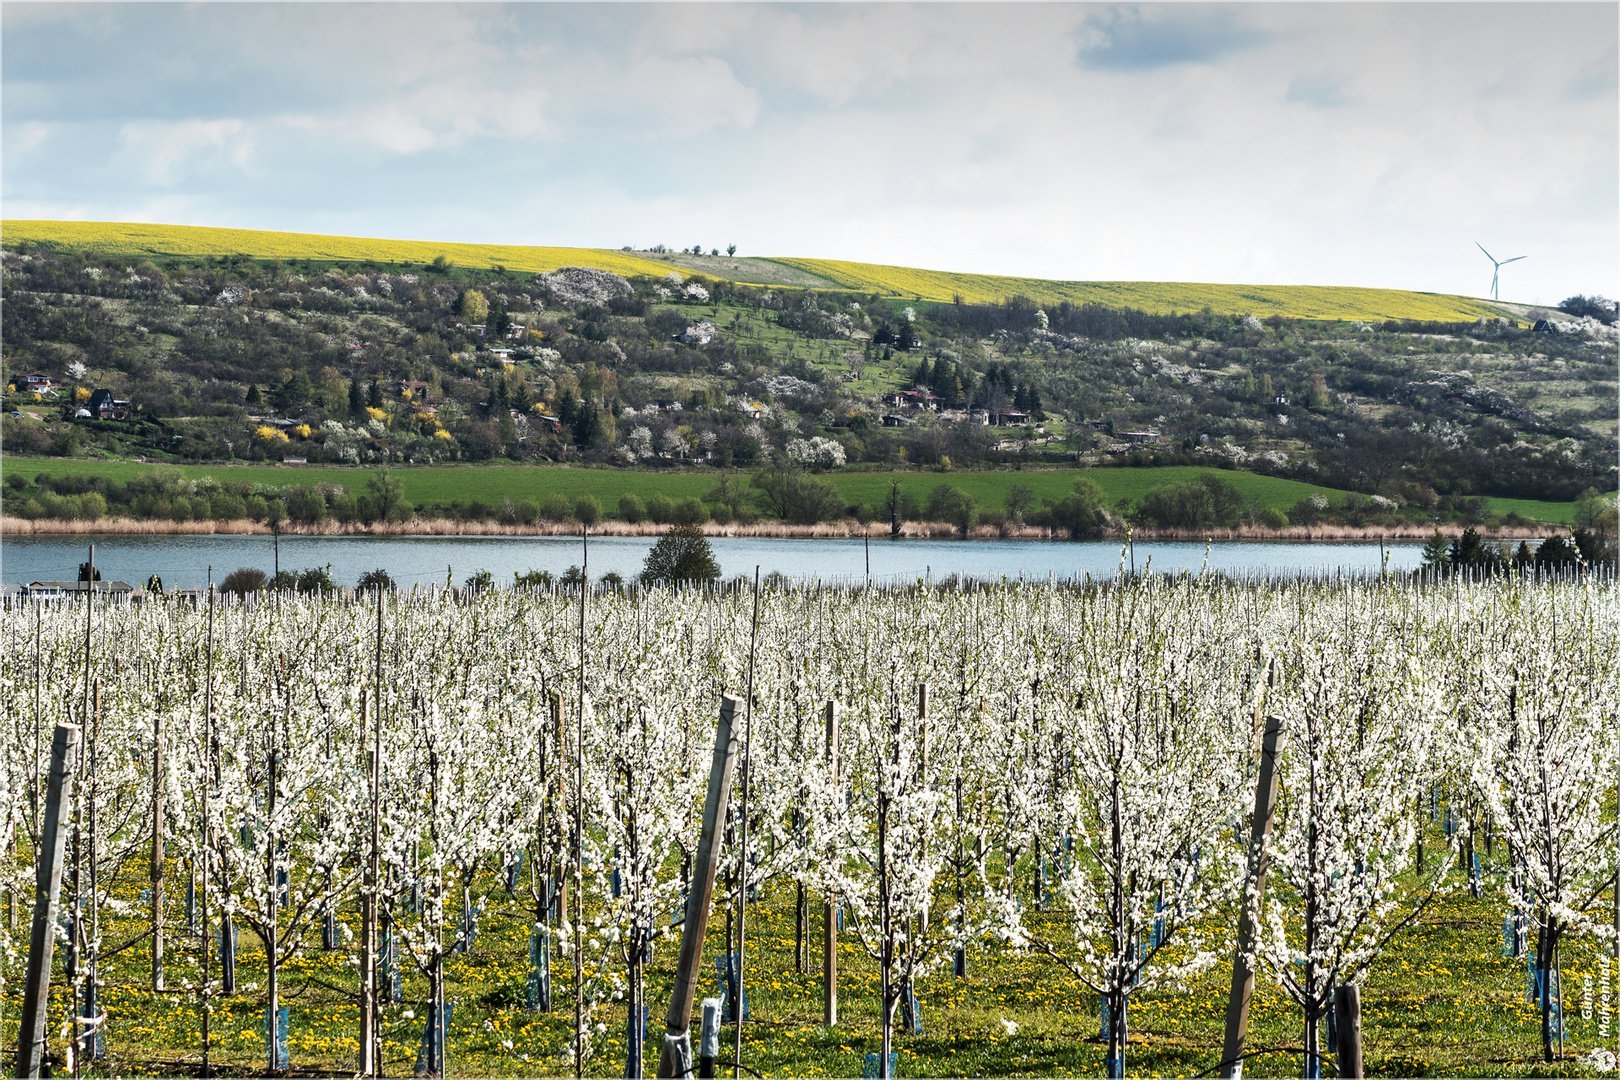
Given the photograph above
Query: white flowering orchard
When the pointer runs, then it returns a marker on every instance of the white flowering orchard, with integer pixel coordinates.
(1085, 754)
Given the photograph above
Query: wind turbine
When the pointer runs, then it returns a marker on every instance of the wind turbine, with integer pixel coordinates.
(1498, 266)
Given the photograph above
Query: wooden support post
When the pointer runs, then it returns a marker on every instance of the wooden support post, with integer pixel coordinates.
(676, 1057)
(1347, 1027)
(157, 850)
(47, 891)
(829, 993)
(560, 794)
(1265, 805)
(368, 919)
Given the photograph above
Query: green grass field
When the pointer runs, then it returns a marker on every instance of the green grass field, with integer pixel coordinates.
(425, 485)
(1297, 301)
(1441, 1002)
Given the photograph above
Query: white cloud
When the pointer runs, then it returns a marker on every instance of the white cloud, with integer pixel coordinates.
(680, 97)
(1278, 142)
(165, 153)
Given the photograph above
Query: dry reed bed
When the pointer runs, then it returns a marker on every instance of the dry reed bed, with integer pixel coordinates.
(14, 526)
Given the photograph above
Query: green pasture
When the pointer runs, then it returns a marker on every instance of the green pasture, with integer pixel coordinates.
(489, 484)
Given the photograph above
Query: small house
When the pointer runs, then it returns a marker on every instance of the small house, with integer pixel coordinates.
(896, 420)
(103, 406)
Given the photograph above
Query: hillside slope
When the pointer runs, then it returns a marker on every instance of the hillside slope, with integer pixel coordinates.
(218, 359)
(1154, 297)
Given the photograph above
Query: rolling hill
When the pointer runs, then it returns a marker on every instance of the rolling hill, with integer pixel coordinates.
(1156, 297)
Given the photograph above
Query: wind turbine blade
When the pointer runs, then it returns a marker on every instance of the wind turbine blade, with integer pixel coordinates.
(1515, 258)
(1488, 255)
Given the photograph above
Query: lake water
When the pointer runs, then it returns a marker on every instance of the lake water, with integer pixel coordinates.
(185, 561)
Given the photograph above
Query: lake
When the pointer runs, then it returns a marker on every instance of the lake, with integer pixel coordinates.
(185, 561)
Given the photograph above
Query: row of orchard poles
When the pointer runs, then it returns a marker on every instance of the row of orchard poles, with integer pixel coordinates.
(67, 748)
(64, 821)
(66, 764)
(64, 768)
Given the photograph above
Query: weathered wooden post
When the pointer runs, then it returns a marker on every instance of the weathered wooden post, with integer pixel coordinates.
(675, 1059)
(157, 850)
(1265, 805)
(368, 918)
(204, 988)
(829, 992)
(1347, 1027)
(738, 972)
(47, 891)
(560, 804)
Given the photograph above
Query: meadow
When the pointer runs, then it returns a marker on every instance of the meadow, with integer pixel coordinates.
(1447, 767)
(444, 484)
(1292, 301)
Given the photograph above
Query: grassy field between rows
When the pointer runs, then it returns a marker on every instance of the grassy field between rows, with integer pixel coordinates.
(444, 484)
(1441, 1002)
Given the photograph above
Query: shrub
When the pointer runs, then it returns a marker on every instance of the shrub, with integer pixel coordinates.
(947, 503)
(660, 508)
(631, 508)
(1210, 500)
(227, 507)
(1273, 518)
(316, 579)
(557, 507)
(690, 511)
(376, 579)
(1080, 514)
(794, 497)
(243, 580)
(306, 505)
(721, 513)
(681, 554)
(587, 509)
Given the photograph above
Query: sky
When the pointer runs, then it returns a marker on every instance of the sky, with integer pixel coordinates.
(1330, 144)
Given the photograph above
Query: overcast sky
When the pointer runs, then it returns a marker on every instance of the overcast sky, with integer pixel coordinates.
(1354, 144)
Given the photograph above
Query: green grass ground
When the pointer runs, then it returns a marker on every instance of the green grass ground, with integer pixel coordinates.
(491, 483)
(1442, 1001)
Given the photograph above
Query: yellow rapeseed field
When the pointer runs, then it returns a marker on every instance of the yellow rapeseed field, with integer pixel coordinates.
(1296, 301)
(1161, 297)
(121, 238)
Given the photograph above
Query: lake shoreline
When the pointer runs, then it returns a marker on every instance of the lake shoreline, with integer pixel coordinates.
(840, 530)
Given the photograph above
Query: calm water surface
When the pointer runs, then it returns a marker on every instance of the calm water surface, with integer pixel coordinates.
(184, 561)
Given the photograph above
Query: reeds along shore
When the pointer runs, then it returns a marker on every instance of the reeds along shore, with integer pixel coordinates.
(118, 526)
